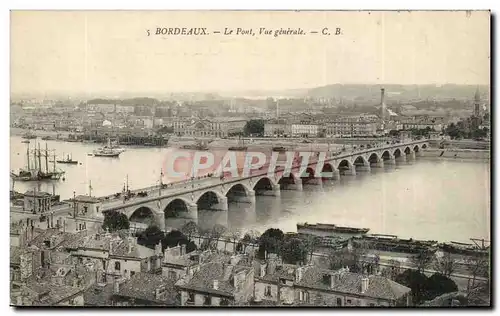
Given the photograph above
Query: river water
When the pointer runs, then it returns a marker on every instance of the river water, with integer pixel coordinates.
(444, 200)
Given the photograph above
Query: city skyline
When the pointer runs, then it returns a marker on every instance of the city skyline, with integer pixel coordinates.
(102, 52)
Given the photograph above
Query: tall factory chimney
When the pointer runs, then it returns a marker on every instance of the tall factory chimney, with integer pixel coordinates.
(382, 103)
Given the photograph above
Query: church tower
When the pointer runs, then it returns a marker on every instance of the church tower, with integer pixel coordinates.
(477, 104)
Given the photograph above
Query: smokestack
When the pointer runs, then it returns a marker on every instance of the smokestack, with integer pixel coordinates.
(382, 102)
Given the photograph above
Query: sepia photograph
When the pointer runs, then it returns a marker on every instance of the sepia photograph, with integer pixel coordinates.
(250, 159)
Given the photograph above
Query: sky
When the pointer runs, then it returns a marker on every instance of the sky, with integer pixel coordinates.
(110, 51)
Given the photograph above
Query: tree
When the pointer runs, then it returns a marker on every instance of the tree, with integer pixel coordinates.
(342, 258)
(114, 221)
(175, 238)
(189, 229)
(445, 265)
(234, 236)
(422, 260)
(416, 281)
(478, 266)
(312, 243)
(393, 269)
(294, 250)
(255, 127)
(439, 284)
(270, 242)
(150, 237)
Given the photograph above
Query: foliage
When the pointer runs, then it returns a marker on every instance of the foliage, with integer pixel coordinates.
(344, 258)
(150, 237)
(417, 282)
(422, 260)
(189, 229)
(270, 241)
(254, 127)
(439, 284)
(114, 221)
(445, 265)
(294, 250)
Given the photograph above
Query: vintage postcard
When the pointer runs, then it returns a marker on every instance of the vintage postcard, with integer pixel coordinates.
(250, 158)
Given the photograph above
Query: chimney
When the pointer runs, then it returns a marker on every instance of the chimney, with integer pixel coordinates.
(334, 279)
(116, 287)
(298, 274)
(262, 270)
(158, 293)
(233, 261)
(382, 102)
(110, 246)
(130, 244)
(216, 284)
(364, 284)
(183, 250)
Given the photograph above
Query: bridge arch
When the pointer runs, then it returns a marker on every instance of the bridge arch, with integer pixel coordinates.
(144, 215)
(397, 153)
(360, 160)
(327, 171)
(416, 148)
(424, 146)
(407, 150)
(286, 181)
(237, 190)
(176, 208)
(263, 184)
(344, 165)
(386, 155)
(373, 158)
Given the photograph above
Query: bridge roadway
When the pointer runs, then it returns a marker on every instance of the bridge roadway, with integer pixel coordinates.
(187, 194)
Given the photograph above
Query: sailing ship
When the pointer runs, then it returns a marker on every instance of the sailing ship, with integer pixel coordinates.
(68, 160)
(198, 146)
(107, 151)
(112, 146)
(34, 170)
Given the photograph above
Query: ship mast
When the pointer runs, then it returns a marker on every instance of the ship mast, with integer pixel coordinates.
(46, 158)
(39, 158)
(28, 156)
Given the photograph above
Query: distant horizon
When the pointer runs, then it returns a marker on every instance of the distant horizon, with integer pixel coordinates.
(144, 93)
(111, 52)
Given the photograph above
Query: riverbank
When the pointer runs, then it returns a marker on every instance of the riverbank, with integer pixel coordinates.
(456, 153)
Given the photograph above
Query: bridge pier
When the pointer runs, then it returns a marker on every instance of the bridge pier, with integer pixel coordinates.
(363, 168)
(411, 156)
(248, 198)
(275, 191)
(160, 220)
(178, 222)
(377, 164)
(401, 158)
(297, 186)
(221, 206)
(418, 153)
(390, 161)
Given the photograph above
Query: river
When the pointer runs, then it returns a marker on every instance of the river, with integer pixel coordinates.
(430, 198)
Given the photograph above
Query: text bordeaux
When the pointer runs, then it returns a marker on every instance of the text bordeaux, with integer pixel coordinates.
(181, 31)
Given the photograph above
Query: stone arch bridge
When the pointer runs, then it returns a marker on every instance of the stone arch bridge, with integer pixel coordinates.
(175, 205)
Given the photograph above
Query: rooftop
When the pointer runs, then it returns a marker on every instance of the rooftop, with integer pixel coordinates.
(350, 283)
(144, 286)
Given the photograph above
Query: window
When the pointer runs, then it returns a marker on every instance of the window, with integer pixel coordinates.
(267, 292)
(339, 302)
(117, 265)
(349, 302)
(190, 298)
(172, 275)
(207, 301)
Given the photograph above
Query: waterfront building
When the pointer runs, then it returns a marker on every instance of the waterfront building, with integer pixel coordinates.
(321, 287)
(221, 282)
(216, 127)
(274, 282)
(145, 289)
(304, 129)
(277, 128)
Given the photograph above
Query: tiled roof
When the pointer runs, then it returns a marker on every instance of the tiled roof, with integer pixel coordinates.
(350, 283)
(204, 278)
(98, 295)
(121, 249)
(143, 286)
(46, 235)
(15, 255)
(284, 271)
